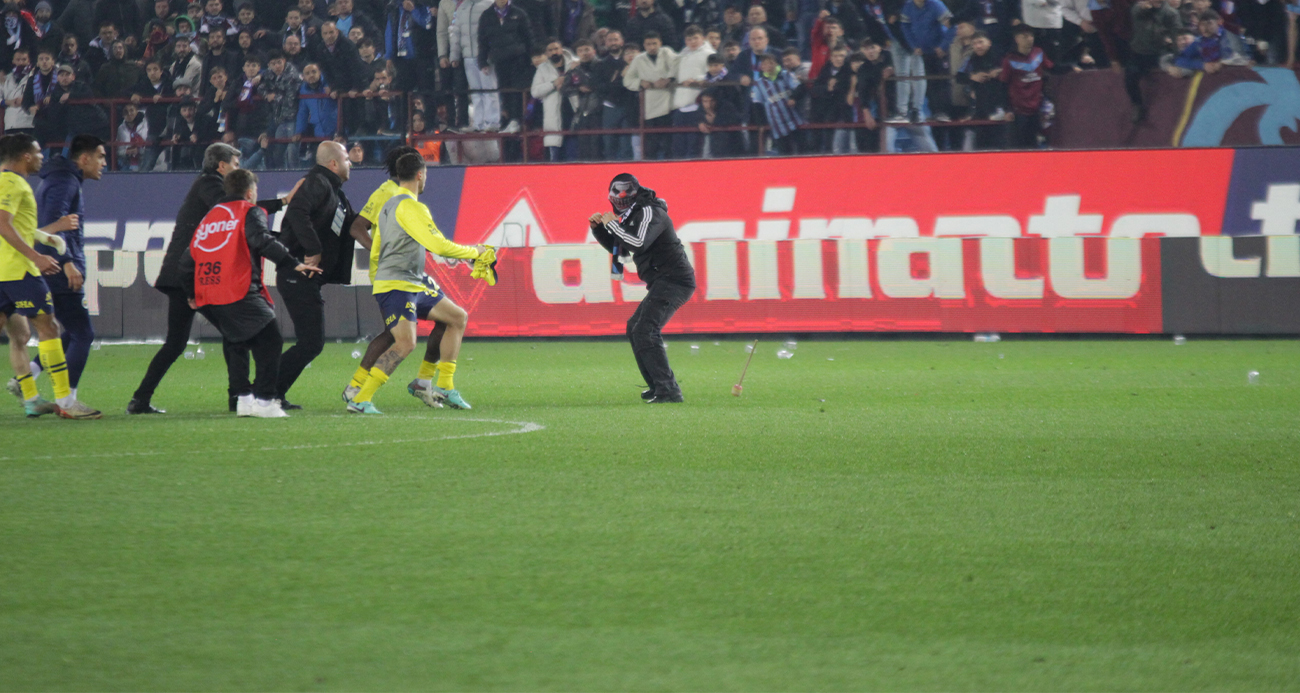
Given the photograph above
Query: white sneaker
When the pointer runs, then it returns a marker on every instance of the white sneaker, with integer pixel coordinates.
(349, 392)
(511, 128)
(244, 405)
(14, 388)
(269, 410)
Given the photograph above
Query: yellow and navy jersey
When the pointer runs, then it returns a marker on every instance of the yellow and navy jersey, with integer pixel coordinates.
(370, 213)
(16, 198)
(396, 256)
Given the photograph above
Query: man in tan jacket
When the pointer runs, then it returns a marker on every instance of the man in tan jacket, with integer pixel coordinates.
(652, 73)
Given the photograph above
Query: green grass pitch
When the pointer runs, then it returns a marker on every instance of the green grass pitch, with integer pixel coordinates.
(901, 515)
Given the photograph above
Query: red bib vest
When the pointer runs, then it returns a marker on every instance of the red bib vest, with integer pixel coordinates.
(223, 268)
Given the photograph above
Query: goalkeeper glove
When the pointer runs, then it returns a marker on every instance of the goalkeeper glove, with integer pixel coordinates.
(485, 267)
(53, 240)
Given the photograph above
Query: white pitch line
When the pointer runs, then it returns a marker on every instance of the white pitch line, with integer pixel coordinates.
(523, 427)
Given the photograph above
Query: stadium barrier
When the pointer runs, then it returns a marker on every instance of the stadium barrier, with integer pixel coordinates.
(1078, 242)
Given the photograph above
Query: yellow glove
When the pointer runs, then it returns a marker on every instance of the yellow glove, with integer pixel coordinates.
(485, 267)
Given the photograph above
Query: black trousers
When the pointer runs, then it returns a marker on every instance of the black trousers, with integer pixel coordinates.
(180, 318)
(1137, 67)
(644, 331)
(302, 298)
(265, 346)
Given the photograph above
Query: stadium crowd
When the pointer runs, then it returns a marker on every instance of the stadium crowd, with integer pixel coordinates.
(464, 80)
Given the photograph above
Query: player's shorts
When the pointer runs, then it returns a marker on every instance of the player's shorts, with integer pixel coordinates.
(29, 296)
(408, 305)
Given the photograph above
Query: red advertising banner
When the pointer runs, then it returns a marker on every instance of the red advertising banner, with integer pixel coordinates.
(845, 285)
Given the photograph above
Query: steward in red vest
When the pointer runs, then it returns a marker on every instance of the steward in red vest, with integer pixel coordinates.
(222, 275)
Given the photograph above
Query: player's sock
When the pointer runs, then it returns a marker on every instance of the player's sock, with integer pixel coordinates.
(52, 357)
(373, 383)
(446, 369)
(35, 367)
(74, 393)
(28, 384)
(360, 377)
(428, 371)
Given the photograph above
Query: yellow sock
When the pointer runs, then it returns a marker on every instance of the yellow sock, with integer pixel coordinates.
(427, 370)
(360, 377)
(56, 365)
(446, 369)
(373, 383)
(28, 384)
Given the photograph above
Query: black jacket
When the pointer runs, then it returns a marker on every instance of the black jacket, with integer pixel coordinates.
(646, 232)
(831, 105)
(608, 76)
(656, 21)
(155, 113)
(318, 222)
(243, 319)
(342, 66)
(501, 42)
(206, 191)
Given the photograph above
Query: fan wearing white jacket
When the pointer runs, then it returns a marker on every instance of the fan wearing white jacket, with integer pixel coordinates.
(17, 118)
(652, 72)
(463, 47)
(546, 87)
(692, 68)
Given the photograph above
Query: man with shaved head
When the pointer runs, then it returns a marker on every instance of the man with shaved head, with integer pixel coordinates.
(316, 230)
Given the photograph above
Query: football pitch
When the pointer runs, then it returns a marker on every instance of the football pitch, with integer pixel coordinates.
(875, 514)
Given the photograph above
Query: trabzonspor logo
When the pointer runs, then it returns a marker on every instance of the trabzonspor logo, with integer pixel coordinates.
(1279, 93)
(204, 231)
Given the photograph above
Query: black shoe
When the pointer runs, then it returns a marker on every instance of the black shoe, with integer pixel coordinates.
(234, 403)
(136, 406)
(286, 405)
(648, 394)
(665, 399)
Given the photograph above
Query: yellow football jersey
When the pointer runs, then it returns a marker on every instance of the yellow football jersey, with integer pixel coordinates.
(16, 198)
(370, 213)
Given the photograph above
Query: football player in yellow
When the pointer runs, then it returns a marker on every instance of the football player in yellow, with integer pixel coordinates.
(405, 232)
(25, 300)
(366, 227)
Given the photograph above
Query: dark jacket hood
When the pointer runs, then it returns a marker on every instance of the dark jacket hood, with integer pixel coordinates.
(60, 164)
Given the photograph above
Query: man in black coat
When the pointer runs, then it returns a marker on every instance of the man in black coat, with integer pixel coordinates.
(345, 73)
(649, 18)
(505, 42)
(207, 190)
(317, 230)
(639, 226)
(744, 69)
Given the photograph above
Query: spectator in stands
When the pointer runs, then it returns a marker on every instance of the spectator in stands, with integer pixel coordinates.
(619, 103)
(100, 49)
(715, 113)
(295, 26)
(279, 88)
(133, 136)
(828, 34)
(213, 108)
(346, 16)
(1266, 21)
(505, 44)
(186, 67)
(15, 33)
(779, 91)
(250, 114)
(64, 119)
(649, 18)
(877, 65)
(1169, 62)
(317, 117)
(1046, 18)
(243, 45)
(215, 20)
(379, 116)
(246, 19)
(312, 16)
(756, 18)
(793, 64)
(713, 37)
(547, 82)
(125, 16)
(730, 51)
(692, 68)
(117, 76)
(701, 13)
(452, 86)
(574, 20)
(36, 95)
(219, 56)
(852, 24)
(924, 23)
(14, 89)
(294, 53)
(72, 56)
(832, 103)
(803, 14)
(652, 73)
(745, 70)
(370, 62)
(481, 79)
(959, 49)
(181, 135)
(184, 34)
(722, 85)
(733, 25)
(1214, 48)
(48, 32)
(580, 88)
(342, 70)
(400, 49)
(1154, 24)
(986, 98)
(158, 31)
(1023, 71)
(151, 89)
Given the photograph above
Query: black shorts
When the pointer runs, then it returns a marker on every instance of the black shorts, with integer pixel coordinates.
(29, 296)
